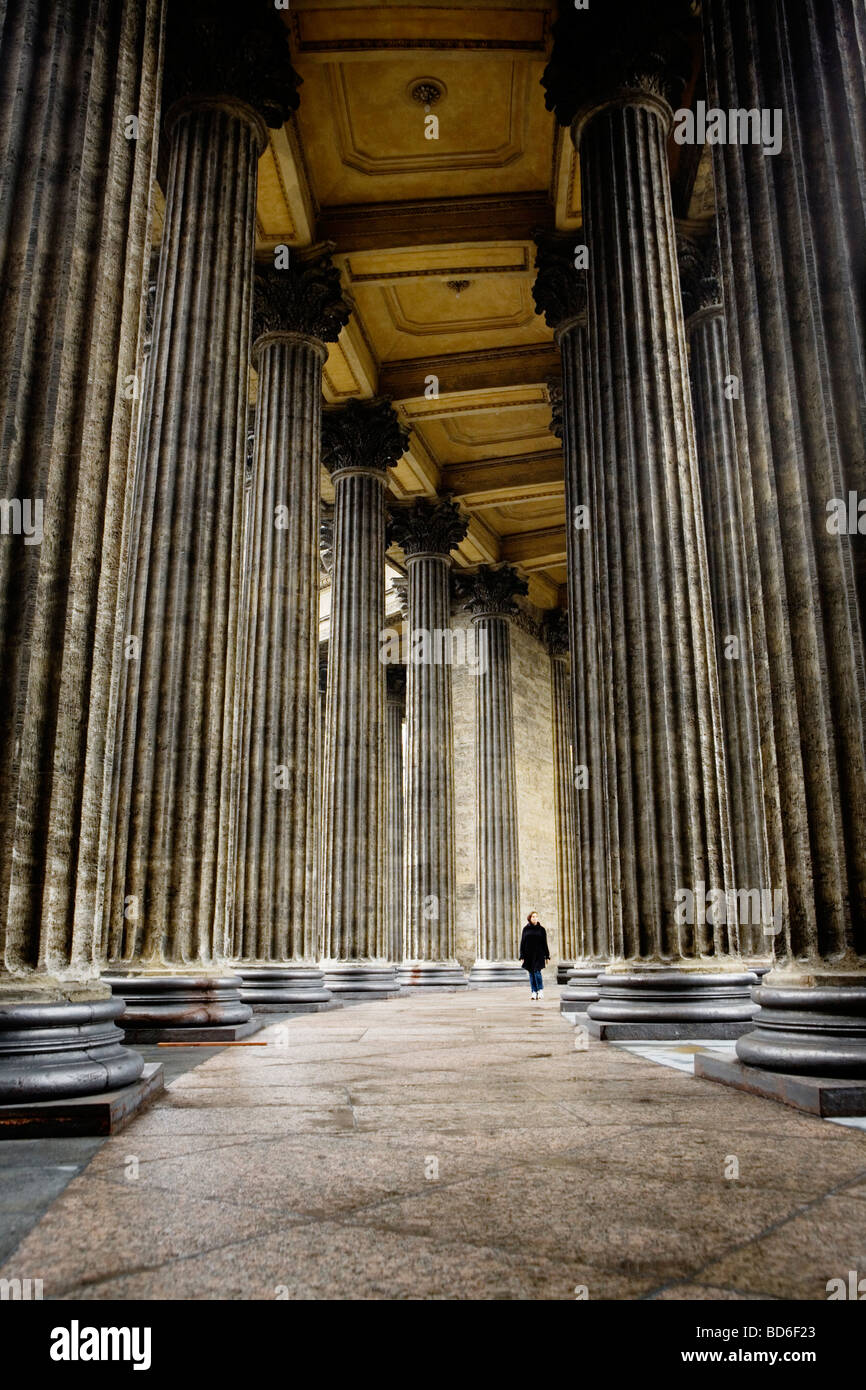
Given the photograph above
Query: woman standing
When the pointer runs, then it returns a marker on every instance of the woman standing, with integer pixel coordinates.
(534, 954)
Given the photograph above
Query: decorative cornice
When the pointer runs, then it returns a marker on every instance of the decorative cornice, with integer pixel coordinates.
(305, 298)
(489, 591)
(364, 435)
(401, 588)
(604, 52)
(555, 628)
(427, 526)
(219, 49)
(559, 289)
(700, 275)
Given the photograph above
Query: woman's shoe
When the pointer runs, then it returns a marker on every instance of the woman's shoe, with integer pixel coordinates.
(533, 995)
(540, 995)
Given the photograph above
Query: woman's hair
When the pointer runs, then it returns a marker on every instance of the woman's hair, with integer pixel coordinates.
(531, 914)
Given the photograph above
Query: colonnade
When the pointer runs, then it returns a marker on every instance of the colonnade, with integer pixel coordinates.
(186, 835)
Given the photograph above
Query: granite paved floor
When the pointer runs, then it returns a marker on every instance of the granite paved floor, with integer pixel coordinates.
(454, 1147)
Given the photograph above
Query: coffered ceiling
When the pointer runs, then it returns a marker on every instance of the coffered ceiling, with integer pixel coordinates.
(433, 241)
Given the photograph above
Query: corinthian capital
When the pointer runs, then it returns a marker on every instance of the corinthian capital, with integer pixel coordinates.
(364, 435)
(559, 289)
(224, 49)
(489, 592)
(304, 298)
(555, 629)
(427, 526)
(700, 277)
(635, 45)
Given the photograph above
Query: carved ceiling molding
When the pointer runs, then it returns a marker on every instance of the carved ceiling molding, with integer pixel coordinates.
(511, 148)
(401, 321)
(523, 266)
(435, 221)
(380, 37)
(485, 369)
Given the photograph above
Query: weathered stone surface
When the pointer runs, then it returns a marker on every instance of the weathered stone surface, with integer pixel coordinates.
(568, 868)
(175, 794)
(728, 571)
(395, 711)
(560, 290)
(339, 1203)
(276, 910)
(73, 263)
(360, 442)
(427, 531)
(792, 231)
(664, 767)
(489, 597)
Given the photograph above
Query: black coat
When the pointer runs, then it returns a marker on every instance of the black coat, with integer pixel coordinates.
(533, 947)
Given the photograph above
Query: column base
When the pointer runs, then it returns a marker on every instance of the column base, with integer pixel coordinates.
(670, 1003)
(427, 974)
(182, 1008)
(581, 989)
(59, 1049)
(808, 1030)
(497, 973)
(361, 981)
(82, 1116)
(562, 971)
(824, 1096)
(272, 989)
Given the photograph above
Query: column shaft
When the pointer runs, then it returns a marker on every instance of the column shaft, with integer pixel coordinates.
(567, 877)
(395, 709)
(676, 966)
(361, 441)
(429, 943)
(793, 231)
(732, 606)
(497, 858)
(276, 908)
(73, 258)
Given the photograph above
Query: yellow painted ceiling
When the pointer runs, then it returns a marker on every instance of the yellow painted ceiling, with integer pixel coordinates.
(355, 157)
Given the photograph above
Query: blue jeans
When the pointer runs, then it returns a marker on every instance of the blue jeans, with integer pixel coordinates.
(536, 983)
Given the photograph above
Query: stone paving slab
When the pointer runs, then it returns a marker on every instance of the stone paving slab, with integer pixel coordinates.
(393, 1158)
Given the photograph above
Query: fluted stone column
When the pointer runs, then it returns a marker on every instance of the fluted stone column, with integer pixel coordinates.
(428, 530)
(395, 710)
(360, 442)
(567, 879)
(296, 311)
(491, 602)
(793, 231)
(560, 294)
(172, 850)
(669, 977)
(73, 267)
(729, 580)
